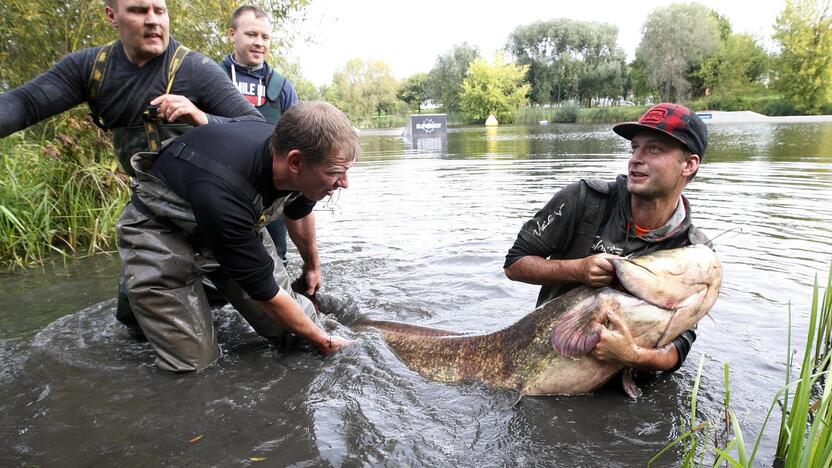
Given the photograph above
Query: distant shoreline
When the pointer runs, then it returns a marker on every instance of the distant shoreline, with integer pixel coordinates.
(718, 117)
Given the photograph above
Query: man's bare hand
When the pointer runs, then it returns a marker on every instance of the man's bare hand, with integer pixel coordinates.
(617, 344)
(179, 109)
(334, 344)
(597, 270)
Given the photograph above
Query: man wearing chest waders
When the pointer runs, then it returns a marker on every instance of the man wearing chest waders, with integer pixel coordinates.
(568, 241)
(269, 91)
(199, 208)
(144, 87)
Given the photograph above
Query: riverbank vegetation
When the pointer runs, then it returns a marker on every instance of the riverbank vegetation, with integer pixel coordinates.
(60, 193)
(805, 407)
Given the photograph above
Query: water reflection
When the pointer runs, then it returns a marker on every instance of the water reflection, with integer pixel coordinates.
(420, 237)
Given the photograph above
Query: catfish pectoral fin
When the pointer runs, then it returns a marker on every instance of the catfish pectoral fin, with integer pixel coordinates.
(579, 330)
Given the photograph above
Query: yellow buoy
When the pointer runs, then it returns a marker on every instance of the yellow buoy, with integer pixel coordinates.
(491, 121)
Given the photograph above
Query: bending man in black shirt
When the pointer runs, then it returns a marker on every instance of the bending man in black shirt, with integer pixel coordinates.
(200, 207)
(568, 241)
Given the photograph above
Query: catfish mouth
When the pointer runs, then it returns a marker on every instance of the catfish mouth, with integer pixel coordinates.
(619, 286)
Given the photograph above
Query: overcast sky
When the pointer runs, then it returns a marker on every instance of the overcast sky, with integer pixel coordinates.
(409, 35)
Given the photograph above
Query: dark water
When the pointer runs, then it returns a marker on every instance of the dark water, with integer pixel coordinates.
(420, 237)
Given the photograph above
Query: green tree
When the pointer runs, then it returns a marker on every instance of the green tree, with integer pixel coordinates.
(35, 34)
(362, 89)
(739, 68)
(804, 67)
(676, 40)
(638, 79)
(307, 91)
(494, 88)
(413, 91)
(446, 77)
(569, 59)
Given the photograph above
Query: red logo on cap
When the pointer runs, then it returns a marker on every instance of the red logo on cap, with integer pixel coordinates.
(654, 116)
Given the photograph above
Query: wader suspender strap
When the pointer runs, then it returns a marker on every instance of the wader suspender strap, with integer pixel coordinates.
(591, 208)
(99, 67)
(152, 119)
(102, 58)
(232, 179)
(590, 219)
(272, 109)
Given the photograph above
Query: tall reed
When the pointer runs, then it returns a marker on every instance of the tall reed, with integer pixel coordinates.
(805, 436)
(60, 193)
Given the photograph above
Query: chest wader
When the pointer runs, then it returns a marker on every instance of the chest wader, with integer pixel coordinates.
(128, 141)
(164, 261)
(272, 110)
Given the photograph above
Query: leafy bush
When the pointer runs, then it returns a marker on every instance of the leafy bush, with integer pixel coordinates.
(565, 114)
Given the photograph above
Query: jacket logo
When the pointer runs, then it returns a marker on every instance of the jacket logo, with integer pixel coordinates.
(541, 226)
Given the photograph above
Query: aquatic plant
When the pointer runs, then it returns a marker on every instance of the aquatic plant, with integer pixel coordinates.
(60, 193)
(805, 435)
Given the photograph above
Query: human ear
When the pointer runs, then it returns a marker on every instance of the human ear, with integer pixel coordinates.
(111, 17)
(691, 165)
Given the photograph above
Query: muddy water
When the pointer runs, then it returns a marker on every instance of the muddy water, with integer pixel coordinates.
(420, 237)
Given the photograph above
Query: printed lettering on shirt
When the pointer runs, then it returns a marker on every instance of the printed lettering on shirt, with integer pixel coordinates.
(601, 246)
(254, 92)
(541, 226)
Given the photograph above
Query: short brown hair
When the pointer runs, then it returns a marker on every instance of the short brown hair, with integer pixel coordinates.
(317, 129)
(258, 13)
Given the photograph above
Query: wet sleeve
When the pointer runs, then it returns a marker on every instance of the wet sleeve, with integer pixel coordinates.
(298, 208)
(683, 343)
(233, 237)
(216, 94)
(60, 88)
(549, 233)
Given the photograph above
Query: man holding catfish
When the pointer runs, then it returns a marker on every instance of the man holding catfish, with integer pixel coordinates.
(570, 241)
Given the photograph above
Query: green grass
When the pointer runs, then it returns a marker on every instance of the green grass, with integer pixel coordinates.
(60, 193)
(573, 114)
(805, 435)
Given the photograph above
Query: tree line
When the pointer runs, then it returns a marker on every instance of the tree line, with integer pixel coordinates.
(687, 52)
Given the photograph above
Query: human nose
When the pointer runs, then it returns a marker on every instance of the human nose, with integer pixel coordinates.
(343, 181)
(636, 155)
(151, 18)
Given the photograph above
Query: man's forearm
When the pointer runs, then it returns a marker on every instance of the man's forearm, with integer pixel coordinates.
(539, 270)
(216, 119)
(12, 118)
(662, 359)
(303, 234)
(283, 309)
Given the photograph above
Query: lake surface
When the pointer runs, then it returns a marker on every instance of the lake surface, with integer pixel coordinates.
(420, 237)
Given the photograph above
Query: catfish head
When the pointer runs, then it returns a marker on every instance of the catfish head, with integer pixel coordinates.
(685, 281)
(664, 294)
